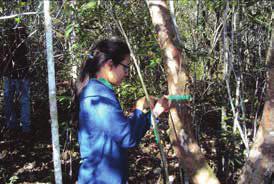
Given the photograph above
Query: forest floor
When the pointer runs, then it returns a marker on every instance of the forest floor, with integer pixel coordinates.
(31, 161)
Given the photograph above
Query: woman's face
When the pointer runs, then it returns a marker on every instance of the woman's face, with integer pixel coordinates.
(119, 72)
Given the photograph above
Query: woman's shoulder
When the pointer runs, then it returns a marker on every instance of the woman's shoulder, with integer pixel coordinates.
(96, 88)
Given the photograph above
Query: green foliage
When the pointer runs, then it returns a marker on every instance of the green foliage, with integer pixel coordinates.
(17, 20)
(129, 92)
(13, 179)
(68, 30)
(22, 3)
(154, 63)
(64, 101)
(88, 6)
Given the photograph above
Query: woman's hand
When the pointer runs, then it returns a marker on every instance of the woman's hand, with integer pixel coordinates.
(143, 104)
(161, 106)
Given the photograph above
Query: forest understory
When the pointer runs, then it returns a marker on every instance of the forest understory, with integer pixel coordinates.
(219, 53)
(24, 161)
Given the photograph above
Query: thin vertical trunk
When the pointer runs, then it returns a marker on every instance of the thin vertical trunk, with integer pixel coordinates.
(71, 42)
(182, 138)
(172, 12)
(260, 163)
(52, 95)
(227, 64)
(220, 146)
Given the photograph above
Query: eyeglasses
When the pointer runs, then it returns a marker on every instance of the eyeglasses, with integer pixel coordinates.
(125, 67)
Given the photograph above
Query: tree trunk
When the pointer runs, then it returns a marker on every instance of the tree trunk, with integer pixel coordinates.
(52, 95)
(71, 42)
(184, 143)
(260, 163)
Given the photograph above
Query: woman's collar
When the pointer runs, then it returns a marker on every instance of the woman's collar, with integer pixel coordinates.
(105, 82)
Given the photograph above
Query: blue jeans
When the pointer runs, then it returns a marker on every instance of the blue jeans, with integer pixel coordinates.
(17, 88)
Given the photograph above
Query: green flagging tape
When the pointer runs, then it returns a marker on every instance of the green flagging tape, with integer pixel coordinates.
(156, 134)
(156, 137)
(179, 97)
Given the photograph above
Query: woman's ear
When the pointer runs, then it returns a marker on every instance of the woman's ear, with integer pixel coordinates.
(109, 64)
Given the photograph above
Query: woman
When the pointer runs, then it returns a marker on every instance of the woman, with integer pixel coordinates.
(105, 133)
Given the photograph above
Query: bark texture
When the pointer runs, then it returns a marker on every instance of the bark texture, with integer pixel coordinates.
(182, 137)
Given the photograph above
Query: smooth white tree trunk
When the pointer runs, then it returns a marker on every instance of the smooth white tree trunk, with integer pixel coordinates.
(52, 95)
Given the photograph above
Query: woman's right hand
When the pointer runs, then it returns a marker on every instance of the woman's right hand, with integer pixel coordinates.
(162, 105)
(142, 104)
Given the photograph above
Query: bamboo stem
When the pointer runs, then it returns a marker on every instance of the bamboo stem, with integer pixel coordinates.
(155, 126)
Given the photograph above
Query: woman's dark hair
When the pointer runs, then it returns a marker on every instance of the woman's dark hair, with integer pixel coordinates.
(113, 49)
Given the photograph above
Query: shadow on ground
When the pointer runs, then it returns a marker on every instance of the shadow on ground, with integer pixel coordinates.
(30, 161)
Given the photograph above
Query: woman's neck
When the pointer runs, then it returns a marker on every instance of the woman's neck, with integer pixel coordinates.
(101, 75)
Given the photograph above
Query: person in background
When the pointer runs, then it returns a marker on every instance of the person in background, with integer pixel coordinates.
(15, 69)
(104, 132)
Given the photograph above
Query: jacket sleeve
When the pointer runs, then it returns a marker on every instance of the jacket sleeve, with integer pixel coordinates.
(107, 116)
(137, 119)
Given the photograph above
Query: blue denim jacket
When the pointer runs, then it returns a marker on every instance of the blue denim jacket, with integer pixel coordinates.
(105, 134)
